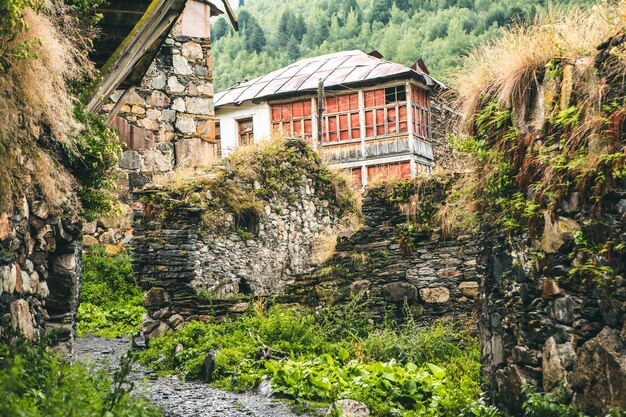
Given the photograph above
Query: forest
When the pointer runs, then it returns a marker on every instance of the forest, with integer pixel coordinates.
(274, 33)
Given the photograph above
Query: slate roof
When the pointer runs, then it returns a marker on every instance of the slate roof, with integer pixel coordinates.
(338, 70)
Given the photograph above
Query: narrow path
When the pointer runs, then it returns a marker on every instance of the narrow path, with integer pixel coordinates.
(178, 398)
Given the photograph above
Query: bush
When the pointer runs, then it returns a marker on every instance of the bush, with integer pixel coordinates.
(34, 382)
(403, 371)
(111, 302)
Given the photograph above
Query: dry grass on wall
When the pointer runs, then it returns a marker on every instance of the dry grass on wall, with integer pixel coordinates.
(34, 106)
(507, 66)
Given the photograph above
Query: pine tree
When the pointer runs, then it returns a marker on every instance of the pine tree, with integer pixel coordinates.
(293, 49)
(381, 11)
(219, 29)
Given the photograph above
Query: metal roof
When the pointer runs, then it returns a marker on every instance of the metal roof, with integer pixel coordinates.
(338, 70)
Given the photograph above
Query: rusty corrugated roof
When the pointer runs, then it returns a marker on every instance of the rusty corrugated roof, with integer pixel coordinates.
(348, 68)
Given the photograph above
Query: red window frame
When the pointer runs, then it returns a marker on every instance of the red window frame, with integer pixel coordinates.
(420, 107)
(386, 112)
(341, 121)
(293, 119)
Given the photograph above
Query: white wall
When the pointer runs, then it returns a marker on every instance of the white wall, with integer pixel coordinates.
(228, 115)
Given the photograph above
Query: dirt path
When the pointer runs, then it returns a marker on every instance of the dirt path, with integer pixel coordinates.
(182, 399)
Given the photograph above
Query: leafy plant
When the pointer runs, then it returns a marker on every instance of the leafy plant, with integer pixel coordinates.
(111, 301)
(35, 382)
(12, 25)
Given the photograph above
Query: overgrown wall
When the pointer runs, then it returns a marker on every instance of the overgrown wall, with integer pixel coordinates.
(431, 276)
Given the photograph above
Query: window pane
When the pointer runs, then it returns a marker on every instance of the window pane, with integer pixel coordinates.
(331, 104)
(275, 113)
(390, 95)
(344, 103)
(400, 93)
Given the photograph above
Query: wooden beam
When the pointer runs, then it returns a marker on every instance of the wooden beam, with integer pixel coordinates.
(145, 39)
(119, 104)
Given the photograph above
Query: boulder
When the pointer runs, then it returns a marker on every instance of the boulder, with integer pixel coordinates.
(176, 321)
(557, 360)
(350, 408)
(435, 295)
(557, 232)
(89, 241)
(549, 287)
(156, 297)
(400, 291)
(599, 377)
(469, 289)
(22, 320)
(241, 307)
(122, 221)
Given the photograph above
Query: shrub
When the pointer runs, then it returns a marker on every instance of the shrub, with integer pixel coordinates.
(34, 382)
(111, 301)
(321, 357)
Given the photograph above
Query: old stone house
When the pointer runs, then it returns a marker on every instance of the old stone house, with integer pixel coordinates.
(376, 120)
(156, 83)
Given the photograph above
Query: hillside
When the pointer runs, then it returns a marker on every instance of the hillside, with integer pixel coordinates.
(276, 32)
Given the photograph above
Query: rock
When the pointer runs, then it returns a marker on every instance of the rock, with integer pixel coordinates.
(562, 309)
(5, 228)
(43, 290)
(155, 161)
(8, 278)
(162, 313)
(400, 291)
(22, 320)
(599, 377)
(175, 86)
(154, 330)
(130, 160)
(185, 123)
(158, 82)
(435, 295)
(89, 228)
(176, 321)
(557, 233)
(265, 388)
(549, 287)
(350, 408)
(199, 105)
(557, 359)
(156, 297)
(122, 221)
(240, 307)
(112, 249)
(179, 349)
(40, 209)
(181, 65)
(192, 50)
(179, 104)
(469, 289)
(159, 99)
(107, 238)
(448, 273)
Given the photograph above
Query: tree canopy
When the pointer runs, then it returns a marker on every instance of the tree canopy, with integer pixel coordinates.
(275, 33)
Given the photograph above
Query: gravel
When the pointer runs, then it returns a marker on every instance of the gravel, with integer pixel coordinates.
(178, 398)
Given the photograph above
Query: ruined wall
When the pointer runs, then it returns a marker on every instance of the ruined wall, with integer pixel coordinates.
(437, 278)
(169, 120)
(40, 267)
(541, 326)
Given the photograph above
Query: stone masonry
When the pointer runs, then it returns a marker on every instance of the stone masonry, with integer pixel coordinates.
(169, 121)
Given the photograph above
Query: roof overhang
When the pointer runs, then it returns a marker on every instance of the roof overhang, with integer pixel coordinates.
(133, 32)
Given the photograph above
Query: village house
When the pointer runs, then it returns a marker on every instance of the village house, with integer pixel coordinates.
(156, 83)
(376, 118)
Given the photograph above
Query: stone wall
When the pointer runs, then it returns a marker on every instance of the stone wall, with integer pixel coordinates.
(250, 254)
(169, 121)
(40, 268)
(435, 277)
(541, 326)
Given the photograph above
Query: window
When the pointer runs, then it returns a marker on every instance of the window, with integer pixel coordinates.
(421, 116)
(218, 139)
(246, 132)
(341, 118)
(293, 119)
(395, 94)
(386, 112)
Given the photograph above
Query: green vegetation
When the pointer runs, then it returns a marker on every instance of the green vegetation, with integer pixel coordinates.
(275, 33)
(253, 176)
(92, 156)
(112, 304)
(12, 25)
(332, 354)
(35, 382)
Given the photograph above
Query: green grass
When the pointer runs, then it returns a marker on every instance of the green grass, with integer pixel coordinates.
(111, 302)
(331, 354)
(35, 382)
